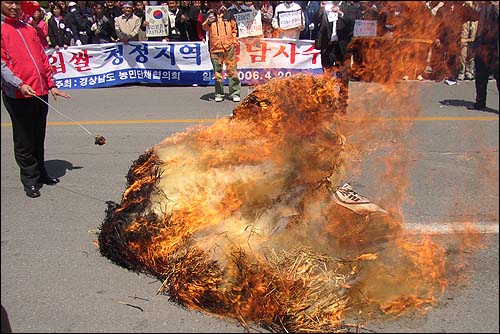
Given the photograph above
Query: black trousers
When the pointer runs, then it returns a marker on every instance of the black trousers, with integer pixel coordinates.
(29, 121)
(333, 63)
(486, 63)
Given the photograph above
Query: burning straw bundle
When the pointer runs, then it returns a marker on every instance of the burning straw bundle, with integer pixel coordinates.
(243, 219)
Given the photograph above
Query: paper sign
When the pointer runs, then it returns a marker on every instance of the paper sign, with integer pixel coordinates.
(333, 16)
(289, 20)
(249, 23)
(365, 28)
(157, 16)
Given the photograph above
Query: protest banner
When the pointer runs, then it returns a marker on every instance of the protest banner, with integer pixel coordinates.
(177, 63)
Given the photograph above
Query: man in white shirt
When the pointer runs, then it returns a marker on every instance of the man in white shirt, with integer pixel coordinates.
(128, 25)
(288, 20)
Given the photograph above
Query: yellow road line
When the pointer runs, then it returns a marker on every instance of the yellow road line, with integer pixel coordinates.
(434, 118)
(208, 120)
(133, 121)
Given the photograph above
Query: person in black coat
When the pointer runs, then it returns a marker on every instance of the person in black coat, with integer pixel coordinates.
(59, 32)
(78, 20)
(335, 34)
(311, 11)
(485, 50)
(102, 28)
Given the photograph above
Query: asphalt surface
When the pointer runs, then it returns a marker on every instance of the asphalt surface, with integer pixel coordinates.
(53, 278)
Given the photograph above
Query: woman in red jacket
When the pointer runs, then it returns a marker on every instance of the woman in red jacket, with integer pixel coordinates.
(26, 82)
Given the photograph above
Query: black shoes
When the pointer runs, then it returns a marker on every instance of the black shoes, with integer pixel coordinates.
(49, 180)
(32, 192)
(476, 106)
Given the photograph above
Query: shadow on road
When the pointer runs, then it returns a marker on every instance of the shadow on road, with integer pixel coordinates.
(207, 97)
(58, 168)
(464, 103)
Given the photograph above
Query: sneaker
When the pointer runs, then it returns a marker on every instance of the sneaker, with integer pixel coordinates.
(219, 99)
(236, 98)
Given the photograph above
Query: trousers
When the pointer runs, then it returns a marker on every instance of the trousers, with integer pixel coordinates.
(227, 58)
(486, 61)
(29, 121)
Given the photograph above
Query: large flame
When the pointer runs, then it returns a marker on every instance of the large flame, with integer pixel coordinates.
(240, 219)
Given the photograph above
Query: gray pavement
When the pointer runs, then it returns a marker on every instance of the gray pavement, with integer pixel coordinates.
(53, 278)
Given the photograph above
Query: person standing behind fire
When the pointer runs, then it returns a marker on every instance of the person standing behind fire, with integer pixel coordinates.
(285, 7)
(174, 16)
(64, 8)
(334, 36)
(128, 25)
(78, 23)
(139, 11)
(313, 19)
(111, 10)
(222, 43)
(267, 12)
(60, 34)
(445, 51)
(238, 7)
(103, 29)
(38, 22)
(202, 16)
(467, 36)
(26, 83)
(194, 27)
(486, 50)
(183, 22)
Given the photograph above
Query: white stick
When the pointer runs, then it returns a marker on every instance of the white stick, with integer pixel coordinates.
(60, 113)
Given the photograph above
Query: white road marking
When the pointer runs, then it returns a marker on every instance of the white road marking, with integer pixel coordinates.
(453, 227)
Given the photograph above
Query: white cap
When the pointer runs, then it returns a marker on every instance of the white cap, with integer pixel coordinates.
(71, 4)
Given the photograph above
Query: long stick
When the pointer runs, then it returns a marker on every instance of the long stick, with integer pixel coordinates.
(60, 113)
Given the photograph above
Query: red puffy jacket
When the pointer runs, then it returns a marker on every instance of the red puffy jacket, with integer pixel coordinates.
(23, 59)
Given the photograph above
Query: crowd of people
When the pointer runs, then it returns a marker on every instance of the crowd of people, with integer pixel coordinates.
(459, 38)
(451, 25)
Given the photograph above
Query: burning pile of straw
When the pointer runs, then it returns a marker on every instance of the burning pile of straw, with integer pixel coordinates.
(245, 219)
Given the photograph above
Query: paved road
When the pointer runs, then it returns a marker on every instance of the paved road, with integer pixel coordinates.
(53, 278)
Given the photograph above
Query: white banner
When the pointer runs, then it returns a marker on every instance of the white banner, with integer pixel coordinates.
(178, 63)
(249, 23)
(157, 16)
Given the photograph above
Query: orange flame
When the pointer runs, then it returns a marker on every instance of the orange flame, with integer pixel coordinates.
(240, 218)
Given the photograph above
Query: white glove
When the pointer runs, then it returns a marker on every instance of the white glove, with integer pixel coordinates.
(78, 42)
(94, 27)
(311, 26)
